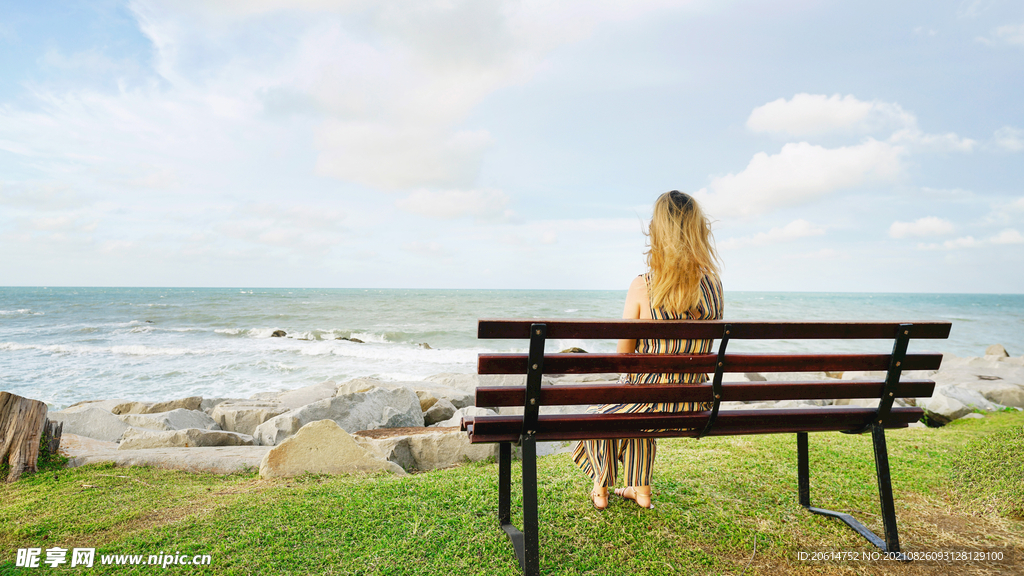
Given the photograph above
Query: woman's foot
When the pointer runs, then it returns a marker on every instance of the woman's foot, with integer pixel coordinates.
(599, 497)
(639, 494)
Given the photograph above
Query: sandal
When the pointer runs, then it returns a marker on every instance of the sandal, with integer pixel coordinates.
(595, 496)
(635, 495)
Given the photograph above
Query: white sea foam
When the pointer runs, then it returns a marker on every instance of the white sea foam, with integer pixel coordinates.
(140, 350)
(135, 350)
(370, 337)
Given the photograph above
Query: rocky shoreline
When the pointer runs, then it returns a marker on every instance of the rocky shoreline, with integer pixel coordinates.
(372, 425)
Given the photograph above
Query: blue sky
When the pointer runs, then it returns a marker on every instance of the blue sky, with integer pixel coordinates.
(497, 144)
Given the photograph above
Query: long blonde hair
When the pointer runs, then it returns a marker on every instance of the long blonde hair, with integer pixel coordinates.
(682, 251)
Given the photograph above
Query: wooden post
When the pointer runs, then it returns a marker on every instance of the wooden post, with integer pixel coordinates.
(21, 424)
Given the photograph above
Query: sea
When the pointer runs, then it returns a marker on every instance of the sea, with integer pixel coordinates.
(64, 345)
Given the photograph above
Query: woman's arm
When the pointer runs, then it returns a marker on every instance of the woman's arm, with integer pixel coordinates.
(635, 298)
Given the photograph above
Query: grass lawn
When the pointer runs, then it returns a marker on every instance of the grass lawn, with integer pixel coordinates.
(958, 488)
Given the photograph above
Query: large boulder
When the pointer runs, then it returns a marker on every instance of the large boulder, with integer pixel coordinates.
(996, 350)
(177, 419)
(428, 392)
(375, 408)
(439, 411)
(322, 447)
(999, 392)
(190, 403)
(424, 448)
(139, 438)
(90, 422)
(300, 397)
(244, 416)
(456, 419)
(968, 397)
(107, 405)
(469, 382)
(209, 404)
(943, 409)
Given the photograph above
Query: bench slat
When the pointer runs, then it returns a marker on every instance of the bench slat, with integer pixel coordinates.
(497, 328)
(665, 363)
(581, 394)
(597, 426)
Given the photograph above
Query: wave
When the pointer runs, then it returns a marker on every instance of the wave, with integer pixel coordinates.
(21, 311)
(134, 350)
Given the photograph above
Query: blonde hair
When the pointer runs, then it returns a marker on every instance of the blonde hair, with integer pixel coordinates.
(682, 251)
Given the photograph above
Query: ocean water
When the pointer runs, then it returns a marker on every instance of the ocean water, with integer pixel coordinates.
(64, 345)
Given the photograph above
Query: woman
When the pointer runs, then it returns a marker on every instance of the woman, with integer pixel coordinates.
(682, 283)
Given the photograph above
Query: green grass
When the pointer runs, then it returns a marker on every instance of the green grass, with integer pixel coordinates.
(713, 498)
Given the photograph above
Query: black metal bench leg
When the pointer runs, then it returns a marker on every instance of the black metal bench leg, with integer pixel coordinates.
(892, 537)
(505, 499)
(884, 489)
(531, 557)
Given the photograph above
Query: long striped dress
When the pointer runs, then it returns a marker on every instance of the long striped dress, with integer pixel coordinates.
(637, 454)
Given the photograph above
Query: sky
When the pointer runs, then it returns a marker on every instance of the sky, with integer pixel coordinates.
(838, 146)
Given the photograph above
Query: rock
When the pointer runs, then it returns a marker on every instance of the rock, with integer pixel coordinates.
(1003, 393)
(267, 396)
(942, 409)
(322, 447)
(190, 403)
(138, 438)
(91, 422)
(177, 419)
(973, 415)
(107, 405)
(456, 419)
(356, 340)
(375, 408)
(215, 460)
(244, 416)
(278, 334)
(424, 448)
(72, 445)
(968, 397)
(469, 382)
(428, 392)
(425, 346)
(573, 350)
(307, 395)
(439, 412)
(996, 350)
(130, 407)
(209, 404)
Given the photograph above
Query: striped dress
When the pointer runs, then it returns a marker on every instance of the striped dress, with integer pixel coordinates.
(637, 454)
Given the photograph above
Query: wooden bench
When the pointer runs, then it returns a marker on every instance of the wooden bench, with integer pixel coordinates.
(530, 427)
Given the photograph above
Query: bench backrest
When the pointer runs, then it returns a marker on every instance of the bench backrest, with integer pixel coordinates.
(714, 421)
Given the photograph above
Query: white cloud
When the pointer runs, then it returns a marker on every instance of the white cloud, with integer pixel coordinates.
(1008, 236)
(1010, 34)
(451, 204)
(927, 226)
(800, 173)
(816, 114)
(807, 115)
(944, 142)
(792, 231)
(1009, 138)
